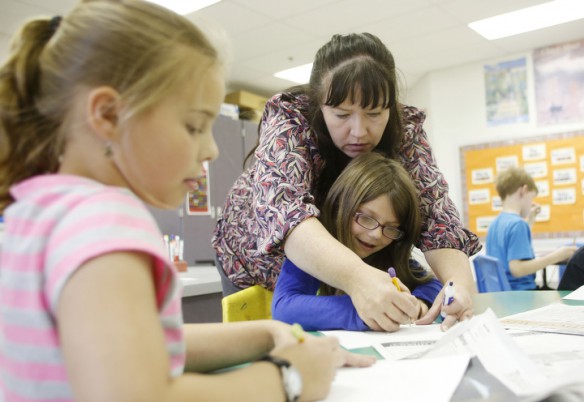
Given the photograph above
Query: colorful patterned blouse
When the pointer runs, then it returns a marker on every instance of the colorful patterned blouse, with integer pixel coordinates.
(275, 194)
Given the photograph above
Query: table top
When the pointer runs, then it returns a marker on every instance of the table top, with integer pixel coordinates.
(518, 301)
(200, 280)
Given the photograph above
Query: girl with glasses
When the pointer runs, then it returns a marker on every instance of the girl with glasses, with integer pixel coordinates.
(371, 209)
(101, 111)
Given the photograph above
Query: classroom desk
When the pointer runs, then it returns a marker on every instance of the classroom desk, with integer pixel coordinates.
(518, 301)
(201, 298)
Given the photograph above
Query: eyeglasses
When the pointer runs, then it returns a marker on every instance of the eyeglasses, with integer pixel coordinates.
(369, 223)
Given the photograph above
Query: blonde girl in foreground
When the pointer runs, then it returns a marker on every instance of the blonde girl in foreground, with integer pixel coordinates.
(101, 110)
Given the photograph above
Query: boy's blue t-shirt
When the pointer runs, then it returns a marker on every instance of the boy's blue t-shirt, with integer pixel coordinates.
(509, 238)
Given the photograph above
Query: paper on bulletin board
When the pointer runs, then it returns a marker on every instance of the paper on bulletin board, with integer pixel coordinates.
(537, 170)
(483, 223)
(482, 196)
(564, 196)
(563, 156)
(505, 162)
(534, 152)
(198, 201)
(564, 176)
(543, 188)
(496, 203)
(482, 176)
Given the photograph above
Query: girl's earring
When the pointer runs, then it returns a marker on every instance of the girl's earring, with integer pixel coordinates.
(108, 150)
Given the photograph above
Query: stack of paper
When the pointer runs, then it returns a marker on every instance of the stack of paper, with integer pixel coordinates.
(422, 363)
(557, 318)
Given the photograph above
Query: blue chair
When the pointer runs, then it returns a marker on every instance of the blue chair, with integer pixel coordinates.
(490, 274)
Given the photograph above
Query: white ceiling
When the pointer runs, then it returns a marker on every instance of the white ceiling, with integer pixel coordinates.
(271, 35)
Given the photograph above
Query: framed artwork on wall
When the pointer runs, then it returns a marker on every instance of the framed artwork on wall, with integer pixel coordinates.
(198, 201)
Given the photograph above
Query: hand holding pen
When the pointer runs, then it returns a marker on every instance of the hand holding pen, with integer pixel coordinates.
(298, 332)
(396, 283)
(391, 272)
(448, 297)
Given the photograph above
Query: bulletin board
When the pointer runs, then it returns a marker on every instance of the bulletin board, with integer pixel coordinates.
(556, 163)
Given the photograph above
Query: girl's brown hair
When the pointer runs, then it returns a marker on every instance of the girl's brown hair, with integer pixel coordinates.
(141, 50)
(365, 178)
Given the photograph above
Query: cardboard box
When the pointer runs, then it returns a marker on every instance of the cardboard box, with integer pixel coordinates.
(247, 100)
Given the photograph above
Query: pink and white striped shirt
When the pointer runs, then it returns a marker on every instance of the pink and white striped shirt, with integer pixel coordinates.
(57, 223)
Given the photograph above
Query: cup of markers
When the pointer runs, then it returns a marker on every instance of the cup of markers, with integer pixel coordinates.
(175, 246)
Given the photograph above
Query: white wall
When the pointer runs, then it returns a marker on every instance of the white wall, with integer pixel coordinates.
(454, 100)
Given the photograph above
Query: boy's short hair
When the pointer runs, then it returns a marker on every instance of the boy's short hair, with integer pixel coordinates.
(512, 179)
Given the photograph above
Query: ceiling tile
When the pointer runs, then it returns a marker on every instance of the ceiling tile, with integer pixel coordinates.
(292, 56)
(278, 10)
(232, 17)
(351, 16)
(471, 10)
(265, 40)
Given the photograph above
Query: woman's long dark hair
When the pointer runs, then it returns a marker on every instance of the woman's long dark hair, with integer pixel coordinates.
(349, 67)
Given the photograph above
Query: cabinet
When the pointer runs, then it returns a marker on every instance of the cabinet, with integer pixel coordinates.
(235, 138)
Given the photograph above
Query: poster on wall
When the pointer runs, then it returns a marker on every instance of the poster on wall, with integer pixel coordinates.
(506, 92)
(198, 200)
(559, 83)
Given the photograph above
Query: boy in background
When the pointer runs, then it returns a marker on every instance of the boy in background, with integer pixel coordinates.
(509, 236)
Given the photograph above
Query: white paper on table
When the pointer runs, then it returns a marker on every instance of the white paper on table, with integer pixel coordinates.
(554, 354)
(577, 294)
(484, 337)
(560, 357)
(431, 379)
(557, 318)
(358, 339)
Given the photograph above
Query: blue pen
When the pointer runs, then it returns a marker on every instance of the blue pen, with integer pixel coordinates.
(448, 297)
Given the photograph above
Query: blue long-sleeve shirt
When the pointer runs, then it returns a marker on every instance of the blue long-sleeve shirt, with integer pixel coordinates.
(295, 300)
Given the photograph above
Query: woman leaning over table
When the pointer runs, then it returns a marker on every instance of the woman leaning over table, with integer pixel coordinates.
(307, 136)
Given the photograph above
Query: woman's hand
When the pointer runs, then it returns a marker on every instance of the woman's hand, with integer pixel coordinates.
(451, 265)
(460, 309)
(378, 302)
